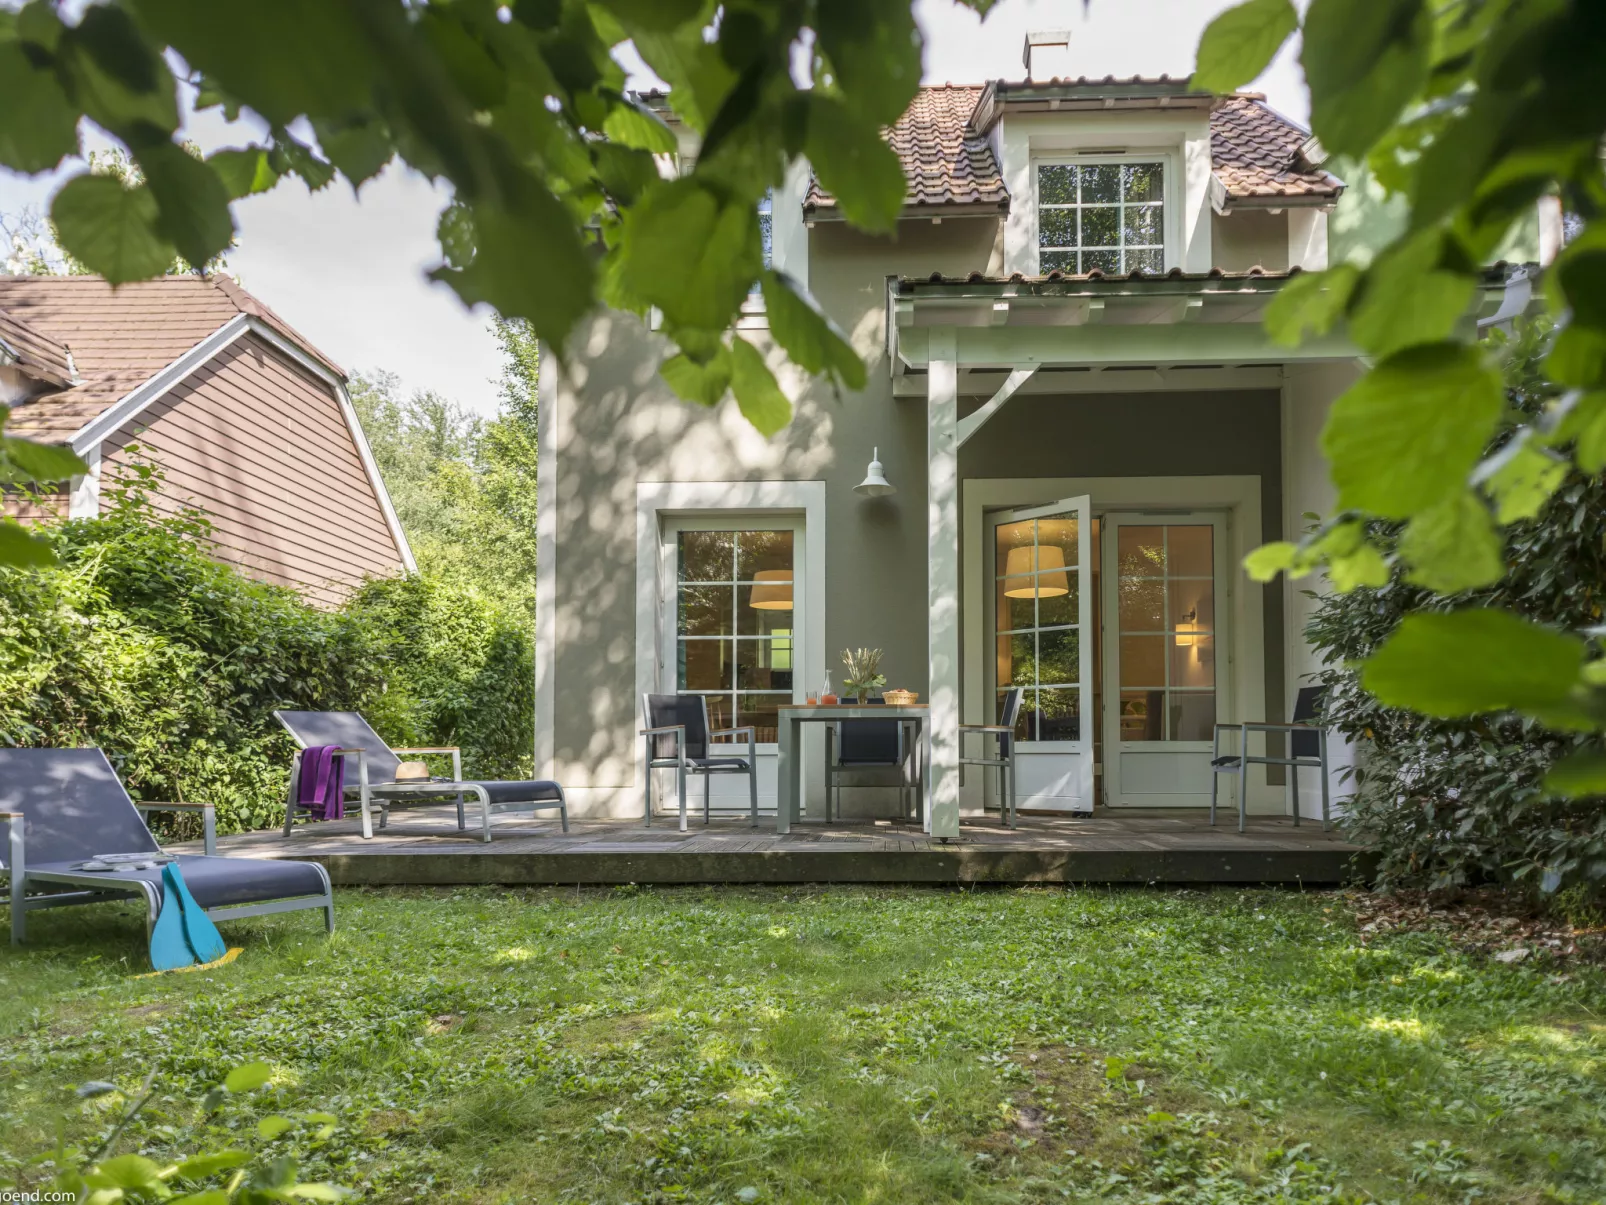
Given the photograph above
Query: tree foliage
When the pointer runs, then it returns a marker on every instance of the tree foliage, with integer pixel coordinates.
(1461, 798)
(138, 642)
(560, 196)
(1472, 111)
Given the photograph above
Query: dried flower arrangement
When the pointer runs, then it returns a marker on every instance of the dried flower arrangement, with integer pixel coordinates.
(864, 672)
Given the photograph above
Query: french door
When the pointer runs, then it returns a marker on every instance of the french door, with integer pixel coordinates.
(1041, 619)
(1166, 658)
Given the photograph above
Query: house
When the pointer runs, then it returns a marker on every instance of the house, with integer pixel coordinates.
(248, 421)
(1086, 425)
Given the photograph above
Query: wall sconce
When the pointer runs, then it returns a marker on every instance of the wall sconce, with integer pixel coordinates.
(875, 484)
(1187, 625)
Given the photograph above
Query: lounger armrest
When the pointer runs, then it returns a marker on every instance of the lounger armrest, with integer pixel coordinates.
(678, 731)
(664, 731)
(752, 743)
(208, 818)
(10, 815)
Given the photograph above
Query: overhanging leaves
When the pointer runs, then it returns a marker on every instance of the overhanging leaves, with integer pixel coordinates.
(756, 390)
(111, 229)
(810, 338)
(1240, 43)
(1468, 662)
(38, 124)
(1452, 545)
(854, 164)
(1408, 433)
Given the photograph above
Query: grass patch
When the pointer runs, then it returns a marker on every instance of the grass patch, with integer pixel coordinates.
(838, 1045)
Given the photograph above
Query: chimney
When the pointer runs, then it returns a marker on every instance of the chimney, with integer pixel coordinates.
(1048, 55)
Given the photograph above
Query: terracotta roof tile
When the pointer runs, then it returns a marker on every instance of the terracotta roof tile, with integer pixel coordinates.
(1254, 152)
(119, 338)
(944, 161)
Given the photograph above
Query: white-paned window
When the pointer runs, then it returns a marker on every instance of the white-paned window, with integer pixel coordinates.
(736, 624)
(1109, 216)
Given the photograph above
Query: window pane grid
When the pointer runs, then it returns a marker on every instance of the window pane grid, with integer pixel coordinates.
(1106, 216)
(735, 625)
(1166, 634)
(1037, 628)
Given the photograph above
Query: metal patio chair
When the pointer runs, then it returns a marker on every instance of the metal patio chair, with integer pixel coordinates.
(376, 775)
(65, 806)
(1307, 746)
(867, 744)
(678, 737)
(1004, 731)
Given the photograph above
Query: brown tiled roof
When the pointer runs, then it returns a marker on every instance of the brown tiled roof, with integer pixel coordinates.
(1255, 152)
(39, 356)
(120, 338)
(944, 161)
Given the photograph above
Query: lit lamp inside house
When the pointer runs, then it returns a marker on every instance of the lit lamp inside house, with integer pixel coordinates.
(1187, 627)
(1050, 581)
(772, 590)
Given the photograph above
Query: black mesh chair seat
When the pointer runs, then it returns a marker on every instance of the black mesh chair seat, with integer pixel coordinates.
(214, 882)
(679, 737)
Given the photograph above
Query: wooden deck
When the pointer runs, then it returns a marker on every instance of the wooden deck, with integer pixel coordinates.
(423, 846)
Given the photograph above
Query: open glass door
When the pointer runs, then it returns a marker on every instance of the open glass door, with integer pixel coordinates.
(1041, 617)
(1165, 656)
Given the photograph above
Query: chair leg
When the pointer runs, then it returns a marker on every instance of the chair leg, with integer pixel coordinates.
(708, 786)
(646, 811)
(752, 790)
(485, 813)
(1215, 788)
(461, 823)
(1243, 791)
(828, 779)
(1293, 789)
(1321, 769)
(1014, 801)
(680, 784)
(563, 807)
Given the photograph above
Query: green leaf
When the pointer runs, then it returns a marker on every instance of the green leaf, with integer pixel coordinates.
(192, 202)
(1585, 422)
(1453, 546)
(1310, 303)
(199, 1167)
(248, 1077)
(317, 1192)
(111, 229)
(633, 124)
(812, 340)
(1578, 357)
(359, 148)
(1364, 60)
(21, 549)
(757, 393)
(127, 1171)
(691, 256)
(1520, 477)
(874, 49)
(528, 264)
(1240, 43)
(212, 1196)
(244, 172)
(854, 164)
(653, 14)
(1467, 662)
(704, 384)
(1361, 566)
(1408, 298)
(271, 1127)
(1409, 432)
(38, 124)
(25, 460)
(1578, 776)
(290, 155)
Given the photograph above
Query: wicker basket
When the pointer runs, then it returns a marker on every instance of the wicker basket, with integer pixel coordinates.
(898, 698)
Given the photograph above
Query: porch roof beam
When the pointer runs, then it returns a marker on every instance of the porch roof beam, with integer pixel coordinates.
(972, 422)
(1196, 342)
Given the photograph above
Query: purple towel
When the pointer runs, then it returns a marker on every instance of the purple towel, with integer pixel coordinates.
(323, 780)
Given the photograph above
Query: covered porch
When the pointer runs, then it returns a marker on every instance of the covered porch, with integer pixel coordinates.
(1091, 559)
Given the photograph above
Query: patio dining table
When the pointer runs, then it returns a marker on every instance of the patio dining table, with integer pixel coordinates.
(789, 764)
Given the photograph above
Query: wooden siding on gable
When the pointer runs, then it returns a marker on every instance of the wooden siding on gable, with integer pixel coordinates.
(33, 508)
(261, 446)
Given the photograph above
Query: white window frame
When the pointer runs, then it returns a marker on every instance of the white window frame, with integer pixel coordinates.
(665, 508)
(669, 581)
(1171, 194)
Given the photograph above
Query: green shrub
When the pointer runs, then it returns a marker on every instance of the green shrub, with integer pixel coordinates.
(139, 643)
(1458, 802)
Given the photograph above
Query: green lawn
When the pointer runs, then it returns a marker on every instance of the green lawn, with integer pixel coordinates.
(843, 1044)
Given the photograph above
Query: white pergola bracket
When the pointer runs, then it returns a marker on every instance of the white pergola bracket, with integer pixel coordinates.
(972, 422)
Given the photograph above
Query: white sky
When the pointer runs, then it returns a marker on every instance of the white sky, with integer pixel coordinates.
(348, 273)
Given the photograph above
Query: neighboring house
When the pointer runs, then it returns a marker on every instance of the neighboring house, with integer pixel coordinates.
(248, 421)
(1087, 427)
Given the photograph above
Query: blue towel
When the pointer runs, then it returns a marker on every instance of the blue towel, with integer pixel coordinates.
(323, 782)
(183, 934)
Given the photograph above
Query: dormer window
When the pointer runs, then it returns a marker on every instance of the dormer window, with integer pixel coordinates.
(1109, 216)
